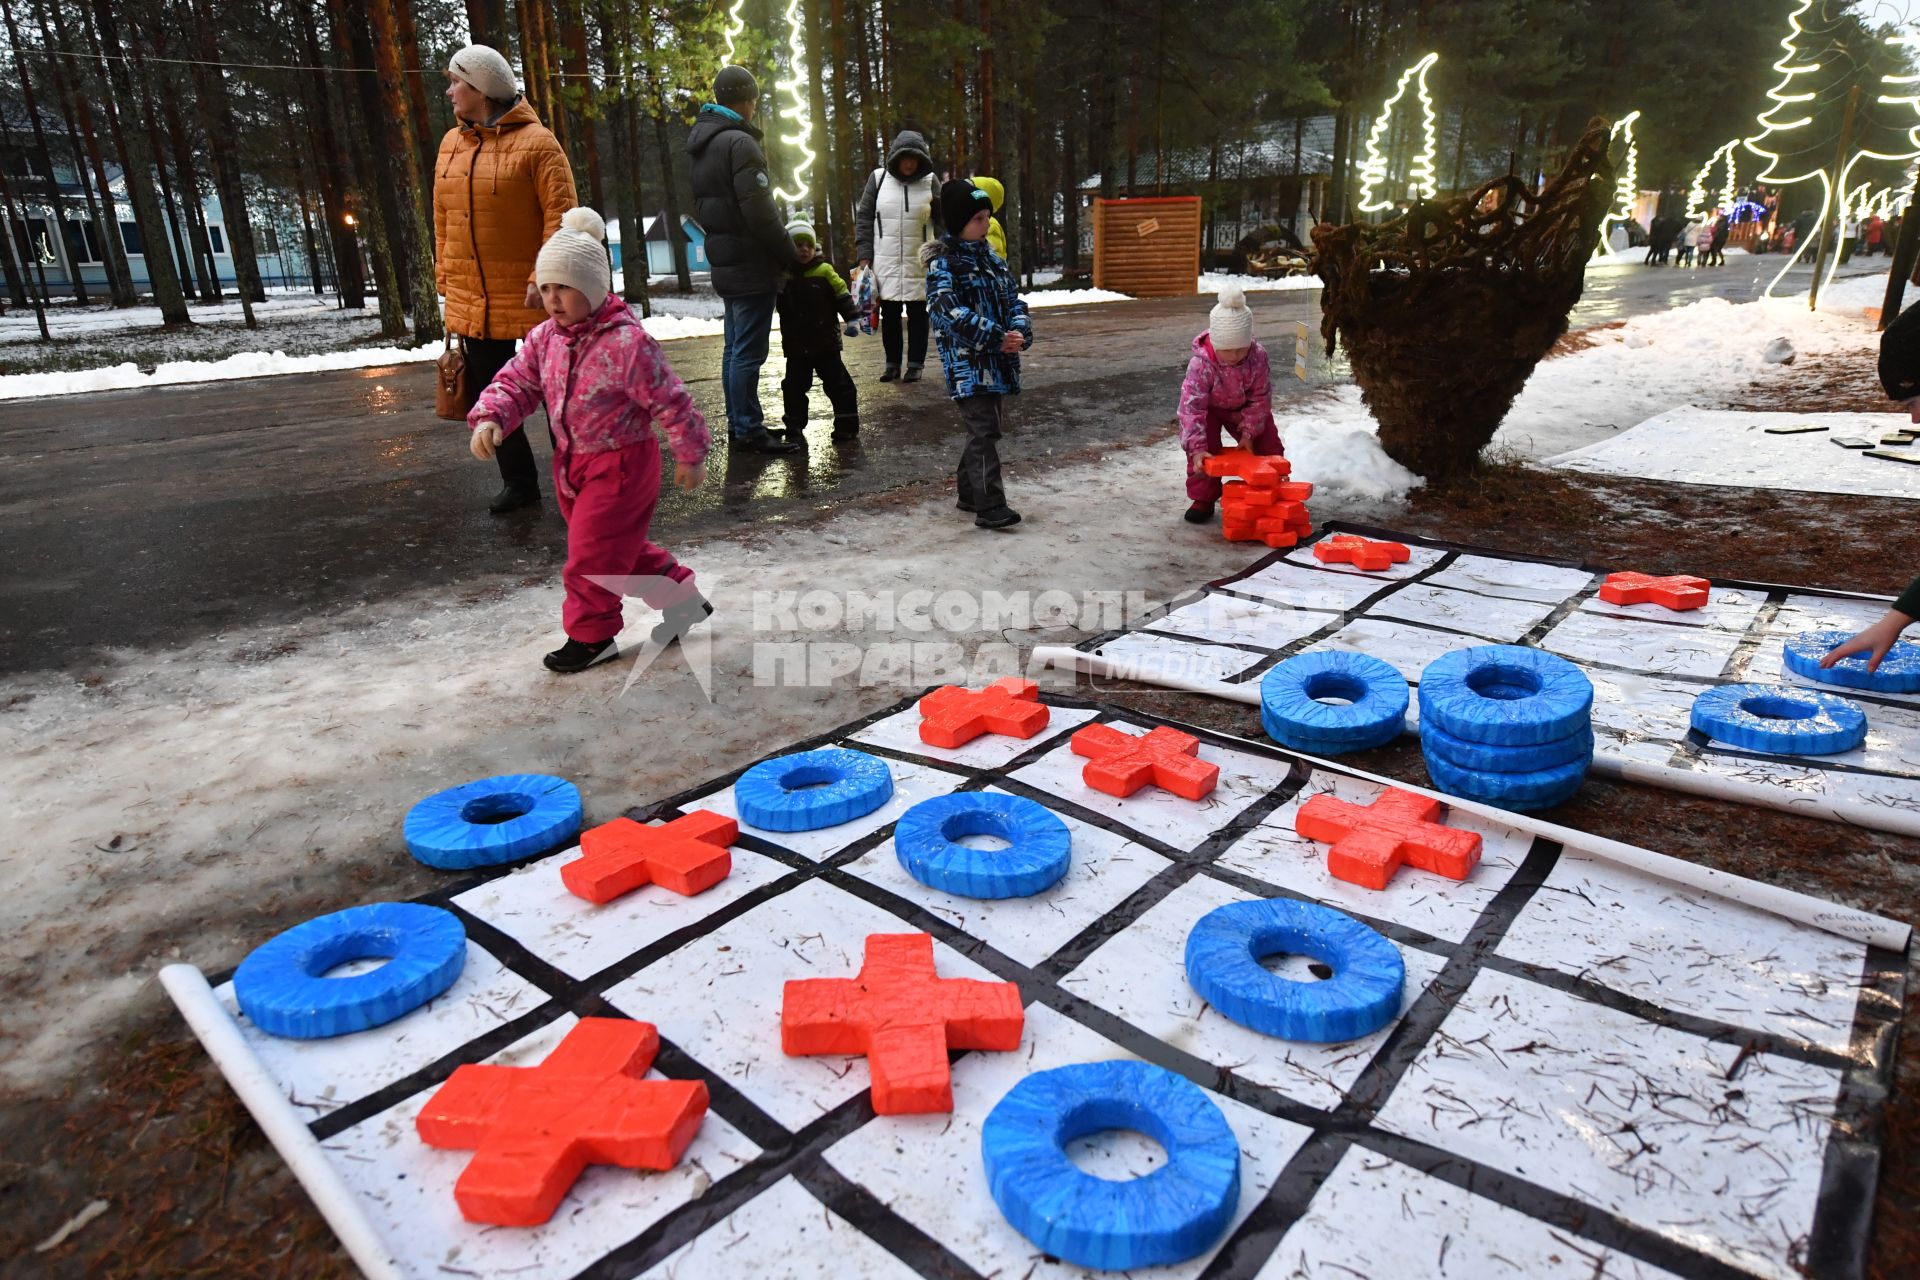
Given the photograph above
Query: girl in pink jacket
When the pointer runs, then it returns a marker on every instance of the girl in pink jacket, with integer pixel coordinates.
(606, 386)
(1227, 387)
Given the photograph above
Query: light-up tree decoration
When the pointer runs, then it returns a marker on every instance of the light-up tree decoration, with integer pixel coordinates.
(1373, 170)
(795, 111)
(1697, 191)
(735, 25)
(1626, 186)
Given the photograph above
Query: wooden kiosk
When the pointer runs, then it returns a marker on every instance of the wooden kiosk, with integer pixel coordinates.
(1148, 247)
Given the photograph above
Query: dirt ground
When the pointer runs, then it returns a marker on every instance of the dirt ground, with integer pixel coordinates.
(193, 1189)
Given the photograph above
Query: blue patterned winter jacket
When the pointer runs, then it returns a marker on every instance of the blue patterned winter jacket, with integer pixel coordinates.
(974, 302)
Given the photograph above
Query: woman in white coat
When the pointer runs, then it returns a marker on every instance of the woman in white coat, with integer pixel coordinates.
(896, 214)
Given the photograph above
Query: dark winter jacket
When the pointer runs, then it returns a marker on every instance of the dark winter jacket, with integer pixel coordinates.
(895, 216)
(813, 306)
(747, 244)
(973, 303)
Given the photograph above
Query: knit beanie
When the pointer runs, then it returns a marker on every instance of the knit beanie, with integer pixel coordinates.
(800, 229)
(734, 85)
(576, 255)
(1230, 323)
(960, 200)
(486, 70)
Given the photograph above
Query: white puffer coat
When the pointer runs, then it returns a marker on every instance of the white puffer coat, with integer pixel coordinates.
(895, 216)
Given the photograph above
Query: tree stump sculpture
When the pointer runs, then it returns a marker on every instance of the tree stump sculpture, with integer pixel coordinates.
(1445, 310)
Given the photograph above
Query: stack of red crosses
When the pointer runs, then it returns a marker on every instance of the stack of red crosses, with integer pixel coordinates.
(1264, 506)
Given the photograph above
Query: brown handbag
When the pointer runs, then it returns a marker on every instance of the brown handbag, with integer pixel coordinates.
(453, 389)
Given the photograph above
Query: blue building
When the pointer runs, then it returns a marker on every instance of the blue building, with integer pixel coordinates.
(659, 251)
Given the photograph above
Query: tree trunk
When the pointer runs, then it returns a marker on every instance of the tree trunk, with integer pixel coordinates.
(846, 128)
(17, 218)
(989, 105)
(1460, 151)
(1069, 200)
(869, 129)
(306, 208)
(54, 198)
(957, 100)
(487, 24)
(676, 239)
(416, 83)
(553, 115)
(415, 198)
(574, 40)
(617, 52)
(206, 271)
(137, 169)
(113, 249)
(826, 186)
(331, 170)
(372, 187)
(223, 133)
(174, 208)
(1335, 205)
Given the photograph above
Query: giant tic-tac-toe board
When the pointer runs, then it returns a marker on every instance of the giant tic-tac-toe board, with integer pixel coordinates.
(1594, 1072)
(1647, 663)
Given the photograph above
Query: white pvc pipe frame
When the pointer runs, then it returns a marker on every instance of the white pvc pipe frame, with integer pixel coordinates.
(1846, 922)
(284, 1128)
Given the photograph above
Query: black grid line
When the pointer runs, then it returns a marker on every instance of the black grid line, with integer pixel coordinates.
(801, 1153)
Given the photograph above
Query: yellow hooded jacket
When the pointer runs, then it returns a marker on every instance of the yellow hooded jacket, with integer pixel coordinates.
(996, 234)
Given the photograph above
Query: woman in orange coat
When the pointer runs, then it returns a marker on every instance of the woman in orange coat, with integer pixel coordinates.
(500, 184)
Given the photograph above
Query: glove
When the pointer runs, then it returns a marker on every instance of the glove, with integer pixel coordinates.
(486, 438)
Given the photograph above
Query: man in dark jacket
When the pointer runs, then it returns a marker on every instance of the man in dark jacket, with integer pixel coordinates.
(748, 248)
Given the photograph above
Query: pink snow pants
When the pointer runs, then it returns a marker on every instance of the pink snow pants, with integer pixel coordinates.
(1263, 440)
(607, 500)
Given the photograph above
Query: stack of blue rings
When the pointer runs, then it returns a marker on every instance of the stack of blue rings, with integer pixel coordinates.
(1506, 725)
(1370, 712)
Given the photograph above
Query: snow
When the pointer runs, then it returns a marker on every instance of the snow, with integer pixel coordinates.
(1043, 298)
(232, 781)
(67, 320)
(248, 364)
(1214, 281)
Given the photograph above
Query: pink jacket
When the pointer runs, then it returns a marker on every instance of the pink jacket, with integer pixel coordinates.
(1240, 395)
(606, 385)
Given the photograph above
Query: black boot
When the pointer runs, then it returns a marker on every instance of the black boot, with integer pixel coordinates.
(889, 373)
(677, 619)
(846, 426)
(912, 374)
(761, 442)
(998, 518)
(1199, 513)
(512, 499)
(575, 656)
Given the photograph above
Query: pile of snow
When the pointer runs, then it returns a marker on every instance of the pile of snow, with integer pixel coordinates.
(1336, 447)
(1070, 297)
(248, 364)
(1213, 281)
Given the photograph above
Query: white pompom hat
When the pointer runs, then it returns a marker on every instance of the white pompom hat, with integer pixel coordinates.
(576, 255)
(1230, 323)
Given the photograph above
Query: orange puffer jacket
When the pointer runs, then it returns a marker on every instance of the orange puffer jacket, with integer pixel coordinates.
(498, 193)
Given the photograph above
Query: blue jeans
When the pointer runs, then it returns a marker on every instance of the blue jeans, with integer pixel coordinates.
(749, 325)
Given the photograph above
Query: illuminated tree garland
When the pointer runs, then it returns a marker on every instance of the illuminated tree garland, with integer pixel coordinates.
(737, 24)
(795, 87)
(1697, 192)
(1772, 121)
(1373, 170)
(1626, 188)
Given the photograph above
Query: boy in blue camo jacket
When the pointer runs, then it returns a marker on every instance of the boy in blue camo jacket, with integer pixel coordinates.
(982, 327)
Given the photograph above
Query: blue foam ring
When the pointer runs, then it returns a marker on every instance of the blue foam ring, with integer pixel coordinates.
(1290, 694)
(1520, 792)
(1223, 966)
(281, 988)
(1039, 846)
(1505, 695)
(1321, 747)
(1899, 671)
(786, 794)
(1489, 759)
(1780, 718)
(1170, 1215)
(493, 820)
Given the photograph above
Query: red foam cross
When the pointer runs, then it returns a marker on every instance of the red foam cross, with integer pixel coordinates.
(686, 855)
(1263, 471)
(952, 716)
(1361, 553)
(534, 1130)
(904, 1018)
(1371, 842)
(1122, 763)
(1677, 592)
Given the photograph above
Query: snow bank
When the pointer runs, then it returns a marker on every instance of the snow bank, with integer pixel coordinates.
(1071, 297)
(1212, 281)
(248, 364)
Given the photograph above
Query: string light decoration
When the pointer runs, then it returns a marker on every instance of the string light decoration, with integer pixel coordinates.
(1373, 170)
(735, 25)
(1626, 187)
(1790, 111)
(1697, 192)
(795, 111)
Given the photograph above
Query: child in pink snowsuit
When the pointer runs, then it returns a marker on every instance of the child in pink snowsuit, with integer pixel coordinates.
(606, 386)
(1227, 387)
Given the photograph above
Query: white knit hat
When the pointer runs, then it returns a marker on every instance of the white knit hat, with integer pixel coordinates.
(1230, 323)
(576, 255)
(486, 70)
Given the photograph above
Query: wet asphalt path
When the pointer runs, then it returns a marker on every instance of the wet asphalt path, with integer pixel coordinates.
(147, 518)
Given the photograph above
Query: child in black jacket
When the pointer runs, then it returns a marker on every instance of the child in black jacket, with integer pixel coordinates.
(813, 307)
